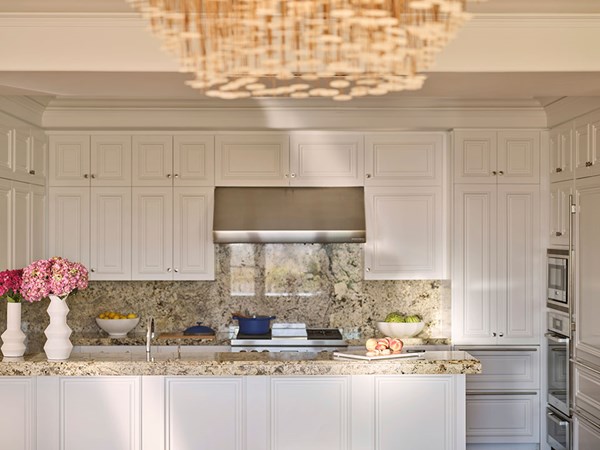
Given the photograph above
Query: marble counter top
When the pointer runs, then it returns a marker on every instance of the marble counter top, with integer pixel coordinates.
(237, 364)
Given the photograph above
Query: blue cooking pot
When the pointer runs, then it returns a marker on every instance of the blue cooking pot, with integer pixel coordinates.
(254, 324)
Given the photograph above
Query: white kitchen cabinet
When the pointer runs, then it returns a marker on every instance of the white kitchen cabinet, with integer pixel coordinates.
(586, 434)
(39, 221)
(22, 153)
(172, 234)
(18, 424)
(561, 153)
(69, 224)
(6, 159)
(182, 160)
(252, 160)
(405, 233)
(496, 157)
(6, 224)
(38, 148)
(496, 253)
(560, 216)
(84, 160)
(22, 221)
(587, 253)
(110, 233)
(326, 159)
(587, 145)
(404, 159)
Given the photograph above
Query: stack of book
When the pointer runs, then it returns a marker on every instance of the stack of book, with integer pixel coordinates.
(288, 331)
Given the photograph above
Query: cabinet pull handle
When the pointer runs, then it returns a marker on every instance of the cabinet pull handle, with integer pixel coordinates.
(501, 173)
(494, 334)
(501, 334)
(469, 393)
(32, 172)
(286, 175)
(176, 175)
(558, 233)
(93, 176)
(85, 175)
(368, 175)
(589, 164)
(494, 172)
(558, 169)
(92, 270)
(176, 270)
(168, 175)
(168, 269)
(368, 269)
(469, 349)
(293, 175)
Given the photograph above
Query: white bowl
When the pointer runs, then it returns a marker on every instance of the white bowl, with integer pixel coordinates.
(117, 327)
(400, 329)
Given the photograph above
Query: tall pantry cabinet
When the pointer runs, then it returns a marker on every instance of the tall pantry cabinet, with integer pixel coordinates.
(496, 271)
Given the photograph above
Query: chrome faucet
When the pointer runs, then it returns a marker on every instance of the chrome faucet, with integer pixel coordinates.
(149, 337)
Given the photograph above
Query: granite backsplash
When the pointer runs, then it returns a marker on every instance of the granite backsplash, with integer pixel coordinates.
(319, 284)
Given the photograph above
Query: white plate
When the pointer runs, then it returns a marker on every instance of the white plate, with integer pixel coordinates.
(359, 354)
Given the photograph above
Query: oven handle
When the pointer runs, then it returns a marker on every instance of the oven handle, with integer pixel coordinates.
(554, 338)
(554, 418)
(475, 393)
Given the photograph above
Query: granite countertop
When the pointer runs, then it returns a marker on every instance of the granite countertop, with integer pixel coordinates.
(237, 364)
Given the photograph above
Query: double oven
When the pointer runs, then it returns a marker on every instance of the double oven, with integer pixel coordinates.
(558, 339)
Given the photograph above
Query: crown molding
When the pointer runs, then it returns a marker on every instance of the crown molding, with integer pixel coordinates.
(26, 109)
(569, 108)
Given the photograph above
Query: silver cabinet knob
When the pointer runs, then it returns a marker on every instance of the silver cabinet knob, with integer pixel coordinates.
(368, 175)
(85, 175)
(92, 270)
(168, 175)
(558, 233)
(168, 269)
(286, 175)
(368, 269)
(494, 334)
(176, 175)
(32, 172)
(501, 172)
(293, 175)
(558, 169)
(494, 172)
(176, 270)
(501, 334)
(589, 164)
(93, 176)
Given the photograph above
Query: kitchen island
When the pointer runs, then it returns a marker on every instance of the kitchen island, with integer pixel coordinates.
(223, 400)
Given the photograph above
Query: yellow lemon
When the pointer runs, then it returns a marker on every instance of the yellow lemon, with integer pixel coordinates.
(131, 316)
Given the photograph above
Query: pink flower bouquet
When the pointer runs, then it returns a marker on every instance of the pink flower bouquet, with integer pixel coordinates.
(10, 285)
(57, 276)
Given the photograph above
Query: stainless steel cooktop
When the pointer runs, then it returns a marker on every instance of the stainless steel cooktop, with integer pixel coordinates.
(317, 340)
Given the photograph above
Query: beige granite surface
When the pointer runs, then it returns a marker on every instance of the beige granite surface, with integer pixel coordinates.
(238, 364)
(319, 284)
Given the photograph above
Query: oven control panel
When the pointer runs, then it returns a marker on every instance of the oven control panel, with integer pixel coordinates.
(558, 322)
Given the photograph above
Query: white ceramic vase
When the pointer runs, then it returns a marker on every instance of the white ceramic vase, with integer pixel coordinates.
(58, 345)
(13, 338)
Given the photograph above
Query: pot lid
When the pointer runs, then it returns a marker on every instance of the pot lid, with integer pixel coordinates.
(199, 330)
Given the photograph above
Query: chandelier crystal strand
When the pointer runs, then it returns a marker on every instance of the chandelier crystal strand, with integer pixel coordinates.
(339, 49)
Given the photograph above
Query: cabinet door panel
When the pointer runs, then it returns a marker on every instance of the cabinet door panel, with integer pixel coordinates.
(194, 160)
(69, 228)
(503, 419)
(193, 249)
(518, 262)
(595, 145)
(404, 233)
(152, 233)
(582, 151)
(301, 404)
(327, 159)
(518, 157)
(220, 427)
(397, 159)
(152, 161)
(109, 424)
(110, 234)
(475, 157)
(17, 427)
(561, 154)
(6, 224)
(38, 222)
(6, 154)
(39, 155)
(473, 281)
(560, 212)
(505, 369)
(21, 224)
(111, 160)
(251, 160)
(21, 154)
(69, 160)
(587, 145)
(586, 435)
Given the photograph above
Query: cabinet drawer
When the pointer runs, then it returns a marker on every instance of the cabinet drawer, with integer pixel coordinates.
(503, 418)
(505, 369)
(587, 390)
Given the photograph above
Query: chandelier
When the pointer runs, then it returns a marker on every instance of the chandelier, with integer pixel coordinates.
(339, 49)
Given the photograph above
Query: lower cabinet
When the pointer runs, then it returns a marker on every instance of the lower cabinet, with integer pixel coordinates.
(425, 412)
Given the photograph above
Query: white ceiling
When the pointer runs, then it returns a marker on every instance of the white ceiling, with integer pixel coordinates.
(475, 83)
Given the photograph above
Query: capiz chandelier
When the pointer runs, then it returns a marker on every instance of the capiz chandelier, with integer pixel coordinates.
(339, 49)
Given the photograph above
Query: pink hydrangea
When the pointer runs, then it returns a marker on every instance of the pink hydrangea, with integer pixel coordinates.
(57, 276)
(10, 285)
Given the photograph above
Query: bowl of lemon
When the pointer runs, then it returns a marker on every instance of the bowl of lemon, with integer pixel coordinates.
(117, 325)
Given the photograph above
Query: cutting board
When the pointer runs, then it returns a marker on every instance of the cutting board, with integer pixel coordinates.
(180, 335)
(361, 355)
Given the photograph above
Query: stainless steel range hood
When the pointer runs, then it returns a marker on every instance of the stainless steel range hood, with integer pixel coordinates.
(284, 215)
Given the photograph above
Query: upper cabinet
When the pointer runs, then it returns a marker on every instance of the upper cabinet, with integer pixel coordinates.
(404, 159)
(587, 145)
(560, 215)
(314, 159)
(81, 160)
(23, 152)
(561, 153)
(181, 160)
(496, 157)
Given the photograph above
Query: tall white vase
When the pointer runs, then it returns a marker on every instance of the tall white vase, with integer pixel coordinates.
(13, 338)
(58, 345)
